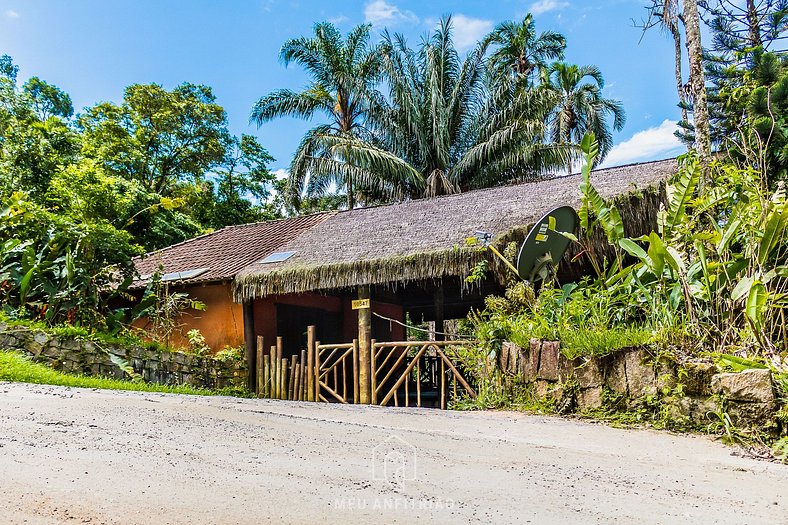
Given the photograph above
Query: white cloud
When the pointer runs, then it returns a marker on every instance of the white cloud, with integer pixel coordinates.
(543, 6)
(281, 173)
(11, 14)
(650, 144)
(380, 13)
(468, 31)
(340, 19)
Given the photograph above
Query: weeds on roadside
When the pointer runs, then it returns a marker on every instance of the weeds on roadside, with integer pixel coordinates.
(19, 368)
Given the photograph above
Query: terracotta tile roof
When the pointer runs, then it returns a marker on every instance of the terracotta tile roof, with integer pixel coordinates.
(224, 252)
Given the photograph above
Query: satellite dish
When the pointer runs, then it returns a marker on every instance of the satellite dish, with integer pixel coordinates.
(544, 246)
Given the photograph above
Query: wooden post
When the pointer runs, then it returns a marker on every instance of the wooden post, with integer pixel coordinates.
(301, 375)
(373, 372)
(304, 383)
(291, 382)
(297, 383)
(439, 324)
(259, 371)
(283, 379)
(364, 350)
(418, 383)
(355, 370)
(267, 375)
(249, 343)
(316, 373)
(281, 369)
(310, 365)
(274, 373)
(443, 385)
(344, 378)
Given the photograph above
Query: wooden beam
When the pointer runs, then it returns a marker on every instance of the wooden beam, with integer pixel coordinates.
(439, 325)
(316, 378)
(364, 347)
(355, 371)
(310, 363)
(260, 370)
(250, 344)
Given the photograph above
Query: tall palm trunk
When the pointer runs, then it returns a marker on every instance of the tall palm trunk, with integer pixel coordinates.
(568, 138)
(697, 81)
(345, 127)
(674, 30)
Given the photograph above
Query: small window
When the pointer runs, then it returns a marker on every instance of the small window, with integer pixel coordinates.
(277, 257)
(182, 276)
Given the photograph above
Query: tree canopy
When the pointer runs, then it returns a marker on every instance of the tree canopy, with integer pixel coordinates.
(407, 122)
(81, 195)
(344, 72)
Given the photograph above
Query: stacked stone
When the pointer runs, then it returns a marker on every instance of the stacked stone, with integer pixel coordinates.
(81, 356)
(633, 373)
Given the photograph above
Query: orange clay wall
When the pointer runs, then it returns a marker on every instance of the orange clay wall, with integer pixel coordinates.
(221, 323)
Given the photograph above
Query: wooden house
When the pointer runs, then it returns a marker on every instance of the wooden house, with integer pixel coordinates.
(409, 259)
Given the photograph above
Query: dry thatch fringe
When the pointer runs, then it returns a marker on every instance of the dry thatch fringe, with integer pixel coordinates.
(638, 212)
(457, 261)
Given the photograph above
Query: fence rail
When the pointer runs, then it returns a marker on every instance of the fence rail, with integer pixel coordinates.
(336, 368)
(406, 365)
(281, 377)
(408, 373)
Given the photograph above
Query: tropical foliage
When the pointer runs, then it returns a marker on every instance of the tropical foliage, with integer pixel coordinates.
(446, 129)
(80, 196)
(428, 121)
(711, 277)
(582, 108)
(521, 52)
(344, 74)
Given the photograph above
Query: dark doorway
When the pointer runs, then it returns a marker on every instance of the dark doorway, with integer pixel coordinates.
(381, 329)
(291, 323)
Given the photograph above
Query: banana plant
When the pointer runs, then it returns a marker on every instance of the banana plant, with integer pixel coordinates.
(595, 211)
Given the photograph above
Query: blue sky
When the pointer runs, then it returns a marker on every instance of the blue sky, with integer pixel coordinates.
(94, 48)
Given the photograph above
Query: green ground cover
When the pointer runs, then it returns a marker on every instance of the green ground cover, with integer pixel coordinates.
(19, 368)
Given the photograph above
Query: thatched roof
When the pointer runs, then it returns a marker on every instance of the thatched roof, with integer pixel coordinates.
(218, 256)
(425, 239)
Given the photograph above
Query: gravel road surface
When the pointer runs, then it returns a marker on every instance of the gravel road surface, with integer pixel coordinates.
(87, 456)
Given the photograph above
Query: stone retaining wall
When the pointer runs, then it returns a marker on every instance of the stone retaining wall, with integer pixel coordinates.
(693, 389)
(81, 356)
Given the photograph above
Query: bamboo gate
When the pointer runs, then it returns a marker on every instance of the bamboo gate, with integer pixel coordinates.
(401, 373)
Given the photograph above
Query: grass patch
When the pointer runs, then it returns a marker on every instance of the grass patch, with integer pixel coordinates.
(575, 343)
(19, 368)
(124, 338)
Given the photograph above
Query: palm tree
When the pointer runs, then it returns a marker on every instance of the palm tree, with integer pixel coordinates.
(520, 51)
(582, 107)
(344, 75)
(442, 129)
(700, 109)
(667, 15)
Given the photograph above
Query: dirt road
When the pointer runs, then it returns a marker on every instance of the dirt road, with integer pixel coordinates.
(87, 456)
